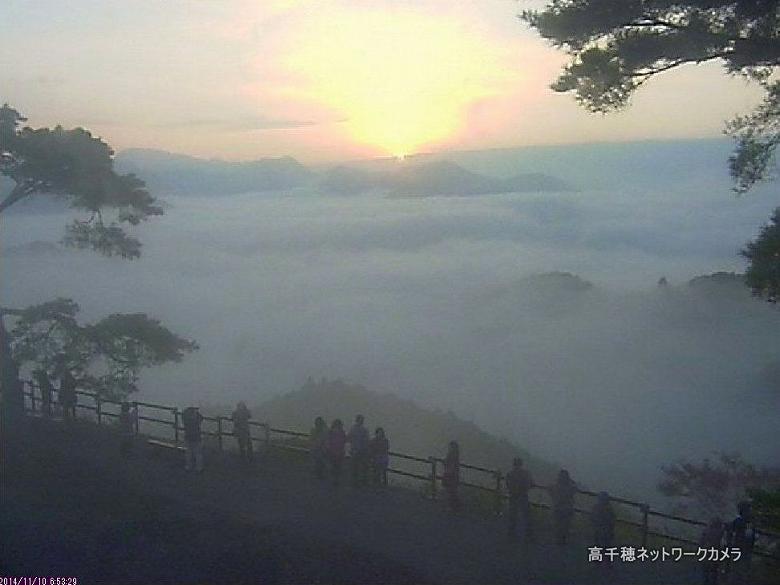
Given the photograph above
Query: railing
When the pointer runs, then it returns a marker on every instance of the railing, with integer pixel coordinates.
(494, 487)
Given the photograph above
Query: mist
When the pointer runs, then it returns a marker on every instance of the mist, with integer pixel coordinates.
(439, 300)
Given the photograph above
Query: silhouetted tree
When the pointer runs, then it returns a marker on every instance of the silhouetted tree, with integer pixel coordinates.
(763, 274)
(106, 356)
(714, 488)
(617, 45)
(74, 164)
(78, 166)
(766, 507)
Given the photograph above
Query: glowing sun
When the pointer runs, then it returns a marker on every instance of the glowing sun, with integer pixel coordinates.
(400, 80)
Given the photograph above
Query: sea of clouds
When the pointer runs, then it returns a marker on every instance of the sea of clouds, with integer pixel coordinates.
(427, 298)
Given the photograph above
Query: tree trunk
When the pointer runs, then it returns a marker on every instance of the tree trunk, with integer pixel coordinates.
(12, 391)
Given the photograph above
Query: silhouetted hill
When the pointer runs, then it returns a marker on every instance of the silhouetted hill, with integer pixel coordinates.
(165, 172)
(720, 281)
(410, 428)
(344, 180)
(437, 178)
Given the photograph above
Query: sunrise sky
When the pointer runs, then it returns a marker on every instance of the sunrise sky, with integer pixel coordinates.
(322, 80)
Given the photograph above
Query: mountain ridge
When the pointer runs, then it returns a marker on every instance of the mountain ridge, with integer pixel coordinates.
(168, 172)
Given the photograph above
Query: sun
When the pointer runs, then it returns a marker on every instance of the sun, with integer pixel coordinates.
(399, 80)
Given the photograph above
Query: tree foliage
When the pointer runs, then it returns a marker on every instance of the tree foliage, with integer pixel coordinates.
(763, 274)
(766, 507)
(105, 357)
(713, 487)
(75, 164)
(617, 45)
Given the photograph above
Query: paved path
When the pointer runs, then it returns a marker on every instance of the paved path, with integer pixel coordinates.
(394, 535)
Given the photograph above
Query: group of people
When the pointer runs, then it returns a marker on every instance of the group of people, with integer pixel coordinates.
(369, 456)
(518, 481)
(192, 423)
(66, 394)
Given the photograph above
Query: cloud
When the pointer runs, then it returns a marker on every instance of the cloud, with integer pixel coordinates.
(245, 124)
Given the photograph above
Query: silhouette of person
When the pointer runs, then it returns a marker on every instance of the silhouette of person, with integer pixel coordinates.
(518, 484)
(128, 420)
(562, 494)
(602, 518)
(318, 447)
(192, 420)
(712, 537)
(380, 456)
(337, 440)
(46, 388)
(358, 451)
(241, 417)
(451, 476)
(742, 535)
(67, 394)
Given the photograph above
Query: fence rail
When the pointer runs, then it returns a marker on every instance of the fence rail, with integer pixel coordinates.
(432, 477)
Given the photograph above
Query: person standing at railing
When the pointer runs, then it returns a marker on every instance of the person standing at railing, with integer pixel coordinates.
(337, 440)
(379, 449)
(562, 494)
(241, 416)
(46, 388)
(67, 394)
(318, 446)
(358, 451)
(518, 484)
(742, 535)
(128, 423)
(602, 518)
(192, 420)
(451, 476)
(712, 537)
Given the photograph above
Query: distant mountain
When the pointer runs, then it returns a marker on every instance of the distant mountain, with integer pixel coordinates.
(447, 178)
(437, 178)
(721, 286)
(165, 172)
(641, 165)
(349, 181)
(168, 173)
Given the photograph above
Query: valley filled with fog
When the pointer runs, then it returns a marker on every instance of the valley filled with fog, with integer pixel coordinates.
(449, 301)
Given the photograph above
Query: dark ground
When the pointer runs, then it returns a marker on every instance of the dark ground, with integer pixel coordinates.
(71, 507)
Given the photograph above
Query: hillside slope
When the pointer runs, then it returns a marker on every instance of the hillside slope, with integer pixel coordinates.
(410, 428)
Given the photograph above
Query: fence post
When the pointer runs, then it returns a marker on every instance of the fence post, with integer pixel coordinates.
(433, 476)
(176, 425)
(219, 432)
(32, 395)
(98, 409)
(499, 499)
(267, 428)
(645, 512)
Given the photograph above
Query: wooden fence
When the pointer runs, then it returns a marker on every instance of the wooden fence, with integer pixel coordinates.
(640, 517)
